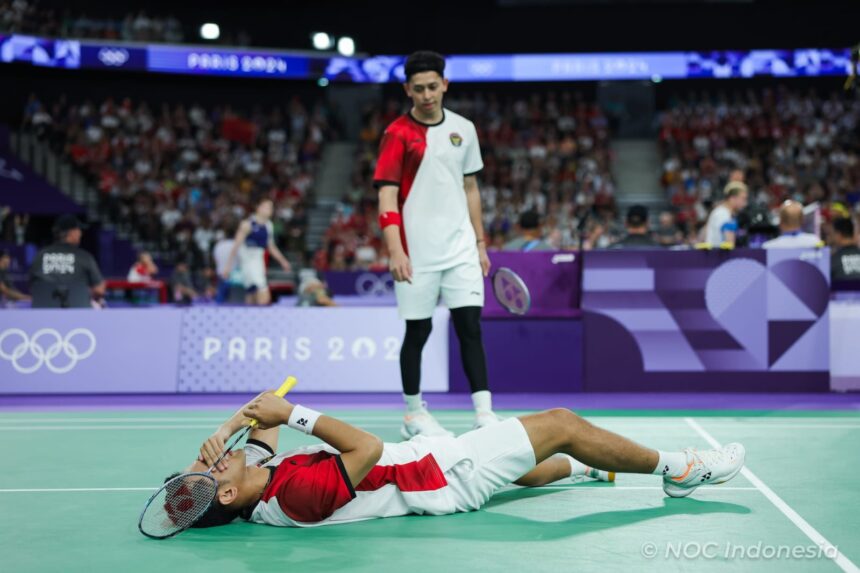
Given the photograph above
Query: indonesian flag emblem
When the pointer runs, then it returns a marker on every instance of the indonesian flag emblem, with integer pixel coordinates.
(456, 140)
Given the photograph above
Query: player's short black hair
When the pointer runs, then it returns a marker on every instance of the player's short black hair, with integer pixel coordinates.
(844, 226)
(424, 61)
(637, 215)
(529, 220)
(217, 514)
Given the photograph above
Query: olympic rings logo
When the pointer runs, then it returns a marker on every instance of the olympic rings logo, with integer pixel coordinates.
(113, 57)
(45, 355)
(375, 285)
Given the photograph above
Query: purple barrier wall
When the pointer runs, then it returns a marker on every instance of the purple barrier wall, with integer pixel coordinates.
(552, 279)
(526, 355)
(361, 283)
(745, 320)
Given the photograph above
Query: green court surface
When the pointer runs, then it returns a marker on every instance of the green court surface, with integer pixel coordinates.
(73, 484)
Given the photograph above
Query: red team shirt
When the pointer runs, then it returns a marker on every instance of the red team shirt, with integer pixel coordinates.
(428, 163)
(310, 487)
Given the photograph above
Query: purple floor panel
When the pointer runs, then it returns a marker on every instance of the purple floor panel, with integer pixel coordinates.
(575, 401)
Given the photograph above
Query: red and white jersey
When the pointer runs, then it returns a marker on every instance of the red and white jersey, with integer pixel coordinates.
(428, 163)
(310, 487)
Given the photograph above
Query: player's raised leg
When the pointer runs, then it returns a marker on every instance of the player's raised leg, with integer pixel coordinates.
(562, 431)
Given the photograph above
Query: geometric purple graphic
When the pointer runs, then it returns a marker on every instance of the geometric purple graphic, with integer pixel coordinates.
(782, 334)
(805, 281)
(735, 292)
(810, 353)
(746, 320)
(783, 304)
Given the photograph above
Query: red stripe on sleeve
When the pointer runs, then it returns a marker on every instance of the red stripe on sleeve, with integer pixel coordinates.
(423, 475)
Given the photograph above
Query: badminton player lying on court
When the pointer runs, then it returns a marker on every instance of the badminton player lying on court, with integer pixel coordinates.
(355, 476)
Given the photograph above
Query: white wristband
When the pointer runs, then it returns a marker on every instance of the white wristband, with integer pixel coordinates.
(303, 419)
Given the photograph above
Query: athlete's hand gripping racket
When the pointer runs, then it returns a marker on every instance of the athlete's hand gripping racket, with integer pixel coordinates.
(511, 291)
(180, 502)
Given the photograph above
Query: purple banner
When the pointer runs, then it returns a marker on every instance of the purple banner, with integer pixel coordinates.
(327, 349)
(26, 192)
(746, 320)
(88, 351)
(360, 283)
(551, 277)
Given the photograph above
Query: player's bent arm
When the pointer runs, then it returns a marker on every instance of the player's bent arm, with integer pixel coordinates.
(241, 234)
(214, 446)
(359, 450)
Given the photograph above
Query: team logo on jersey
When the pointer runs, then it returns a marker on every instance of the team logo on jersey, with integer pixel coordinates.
(456, 139)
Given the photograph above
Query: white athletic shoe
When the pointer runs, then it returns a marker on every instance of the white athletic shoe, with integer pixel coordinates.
(486, 418)
(596, 474)
(422, 423)
(707, 467)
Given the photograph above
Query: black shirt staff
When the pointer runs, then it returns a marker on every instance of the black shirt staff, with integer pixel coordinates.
(63, 274)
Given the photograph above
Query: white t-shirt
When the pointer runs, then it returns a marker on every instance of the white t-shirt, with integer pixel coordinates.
(793, 241)
(428, 163)
(720, 222)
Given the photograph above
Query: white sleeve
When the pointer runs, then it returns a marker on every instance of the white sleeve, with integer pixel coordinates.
(473, 162)
(256, 451)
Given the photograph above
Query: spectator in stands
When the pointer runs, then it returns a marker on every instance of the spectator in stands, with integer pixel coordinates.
(530, 235)
(221, 255)
(143, 270)
(7, 291)
(638, 236)
(845, 259)
(790, 228)
(668, 234)
(722, 226)
(63, 275)
(313, 292)
(181, 285)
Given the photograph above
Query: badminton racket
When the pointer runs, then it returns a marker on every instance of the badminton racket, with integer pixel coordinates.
(511, 291)
(181, 501)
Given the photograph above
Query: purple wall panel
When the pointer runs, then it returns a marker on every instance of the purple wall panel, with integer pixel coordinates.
(526, 355)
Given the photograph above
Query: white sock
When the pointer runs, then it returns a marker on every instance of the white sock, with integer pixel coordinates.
(672, 464)
(577, 468)
(483, 401)
(414, 404)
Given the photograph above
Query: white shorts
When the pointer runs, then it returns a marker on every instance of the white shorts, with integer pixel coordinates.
(496, 456)
(459, 286)
(252, 265)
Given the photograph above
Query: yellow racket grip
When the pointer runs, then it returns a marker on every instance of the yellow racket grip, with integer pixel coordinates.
(288, 385)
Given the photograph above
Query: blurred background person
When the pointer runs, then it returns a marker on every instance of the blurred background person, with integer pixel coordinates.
(254, 238)
(7, 291)
(64, 275)
(144, 270)
(637, 236)
(313, 292)
(530, 236)
(722, 225)
(791, 234)
(668, 234)
(221, 256)
(181, 285)
(845, 259)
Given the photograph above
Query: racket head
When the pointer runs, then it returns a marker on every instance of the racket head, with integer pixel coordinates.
(511, 291)
(177, 505)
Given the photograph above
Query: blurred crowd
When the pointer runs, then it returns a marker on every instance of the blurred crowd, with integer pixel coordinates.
(544, 153)
(46, 19)
(786, 144)
(182, 176)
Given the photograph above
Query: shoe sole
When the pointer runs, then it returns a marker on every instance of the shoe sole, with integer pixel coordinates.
(677, 492)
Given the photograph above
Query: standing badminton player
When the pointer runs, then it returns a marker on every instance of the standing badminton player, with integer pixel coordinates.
(430, 215)
(254, 237)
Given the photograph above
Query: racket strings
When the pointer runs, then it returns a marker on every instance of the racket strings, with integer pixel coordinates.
(178, 504)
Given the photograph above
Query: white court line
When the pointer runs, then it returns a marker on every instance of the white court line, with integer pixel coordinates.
(557, 487)
(829, 549)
